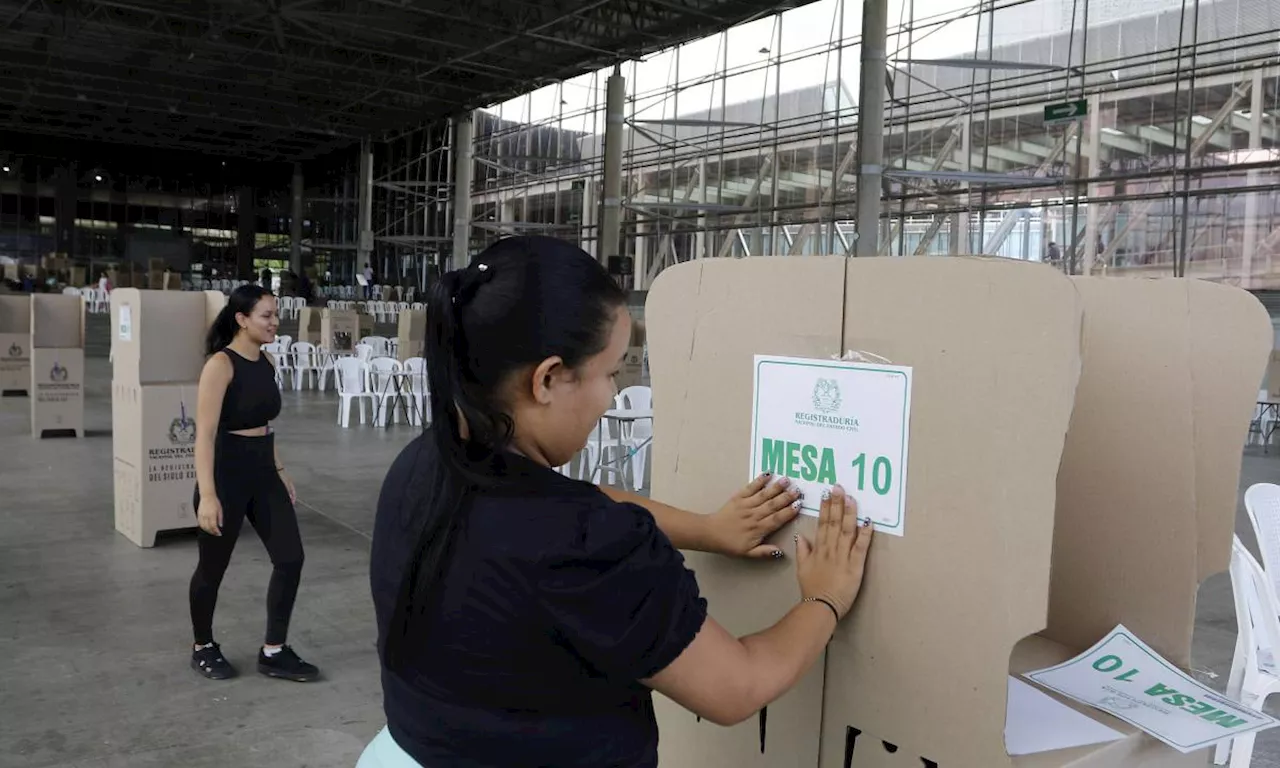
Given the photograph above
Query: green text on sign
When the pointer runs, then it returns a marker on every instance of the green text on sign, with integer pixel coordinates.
(1112, 663)
(798, 461)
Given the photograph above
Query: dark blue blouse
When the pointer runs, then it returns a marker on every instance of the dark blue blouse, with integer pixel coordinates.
(557, 602)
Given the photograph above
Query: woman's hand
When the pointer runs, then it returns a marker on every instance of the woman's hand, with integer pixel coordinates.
(288, 486)
(831, 568)
(752, 515)
(209, 515)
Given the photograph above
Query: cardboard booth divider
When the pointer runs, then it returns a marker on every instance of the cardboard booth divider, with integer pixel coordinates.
(57, 365)
(157, 335)
(15, 344)
(339, 329)
(917, 675)
(411, 339)
(309, 325)
(632, 373)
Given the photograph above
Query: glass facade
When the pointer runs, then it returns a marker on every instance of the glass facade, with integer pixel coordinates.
(744, 143)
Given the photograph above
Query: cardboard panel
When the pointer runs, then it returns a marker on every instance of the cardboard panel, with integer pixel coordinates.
(412, 334)
(706, 322)
(922, 663)
(1230, 336)
(15, 362)
(15, 314)
(157, 337)
(1127, 490)
(155, 472)
(338, 330)
(57, 391)
(214, 301)
(309, 325)
(57, 321)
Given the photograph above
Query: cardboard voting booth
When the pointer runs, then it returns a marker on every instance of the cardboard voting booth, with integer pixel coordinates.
(309, 325)
(15, 344)
(57, 365)
(411, 340)
(338, 330)
(632, 372)
(1043, 411)
(157, 357)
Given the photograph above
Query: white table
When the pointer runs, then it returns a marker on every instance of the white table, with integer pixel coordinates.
(622, 457)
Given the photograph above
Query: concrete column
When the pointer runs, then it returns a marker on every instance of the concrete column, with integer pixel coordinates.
(1249, 238)
(463, 159)
(589, 212)
(1093, 170)
(611, 216)
(644, 242)
(246, 233)
(64, 211)
(875, 27)
(961, 241)
(295, 222)
(364, 210)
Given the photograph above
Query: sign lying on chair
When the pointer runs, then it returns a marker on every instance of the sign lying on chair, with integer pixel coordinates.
(1124, 677)
(826, 422)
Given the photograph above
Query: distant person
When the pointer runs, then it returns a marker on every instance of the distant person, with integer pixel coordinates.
(266, 278)
(525, 617)
(104, 284)
(368, 280)
(1055, 255)
(305, 290)
(240, 477)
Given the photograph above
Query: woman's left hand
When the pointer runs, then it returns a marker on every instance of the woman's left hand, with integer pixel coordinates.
(740, 527)
(288, 486)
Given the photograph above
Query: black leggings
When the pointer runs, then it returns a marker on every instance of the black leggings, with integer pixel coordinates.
(244, 472)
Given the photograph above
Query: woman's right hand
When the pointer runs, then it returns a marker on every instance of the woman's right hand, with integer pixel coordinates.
(209, 515)
(831, 567)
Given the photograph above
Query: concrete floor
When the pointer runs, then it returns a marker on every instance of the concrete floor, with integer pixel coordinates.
(94, 631)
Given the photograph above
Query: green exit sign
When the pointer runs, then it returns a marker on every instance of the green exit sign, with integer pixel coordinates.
(1066, 112)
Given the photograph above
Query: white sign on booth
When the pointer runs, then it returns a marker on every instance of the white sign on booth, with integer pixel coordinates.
(1124, 677)
(126, 323)
(826, 422)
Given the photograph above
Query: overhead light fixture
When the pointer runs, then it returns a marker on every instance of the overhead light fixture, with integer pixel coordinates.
(6, 169)
(97, 177)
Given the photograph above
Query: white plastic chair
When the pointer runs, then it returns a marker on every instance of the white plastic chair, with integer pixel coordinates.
(383, 388)
(417, 368)
(276, 350)
(381, 347)
(364, 353)
(69, 291)
(418, 306)
(352, 378)
(637, 435)
(304, 362)
(1253, 671)
(1262, 503)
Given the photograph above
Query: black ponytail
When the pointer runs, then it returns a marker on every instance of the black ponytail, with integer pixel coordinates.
(521, 301)
(225, 327)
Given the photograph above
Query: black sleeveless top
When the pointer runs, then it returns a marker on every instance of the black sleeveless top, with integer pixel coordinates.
(252, 399)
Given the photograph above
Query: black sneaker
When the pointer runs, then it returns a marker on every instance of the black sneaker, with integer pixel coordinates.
(287, 666)
(210, 662)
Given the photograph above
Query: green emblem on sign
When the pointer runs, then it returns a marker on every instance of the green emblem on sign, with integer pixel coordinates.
(826, 396)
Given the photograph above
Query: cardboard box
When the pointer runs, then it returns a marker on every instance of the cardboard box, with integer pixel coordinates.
(57, 321)
(15, 343)
(633, 365)
(411, 340)
(917, 675)
(214, 301)
(339, 329)
(367, 325)
(57, 392)
(157, 337)
(1272, 383)
(309, 325)
(154, 458)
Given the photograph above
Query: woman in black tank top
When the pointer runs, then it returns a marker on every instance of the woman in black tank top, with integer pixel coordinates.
(240, 477)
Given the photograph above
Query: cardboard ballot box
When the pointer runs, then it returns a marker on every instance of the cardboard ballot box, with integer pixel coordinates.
(309, 325)
(411, 340)
(57, 365)
(1030, 525)
(632, 373)
(15, 344)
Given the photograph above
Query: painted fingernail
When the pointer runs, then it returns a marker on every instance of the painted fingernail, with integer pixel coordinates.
(784, 481)
(865, 523)
(839, 488)
(797, 504)
(826, 494)
(795, 537)
(767, 474)
(777, 554)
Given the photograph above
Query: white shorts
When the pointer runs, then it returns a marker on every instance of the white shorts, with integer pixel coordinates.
(384, 752)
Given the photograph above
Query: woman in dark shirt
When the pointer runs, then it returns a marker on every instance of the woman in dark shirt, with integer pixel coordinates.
(524, 617)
